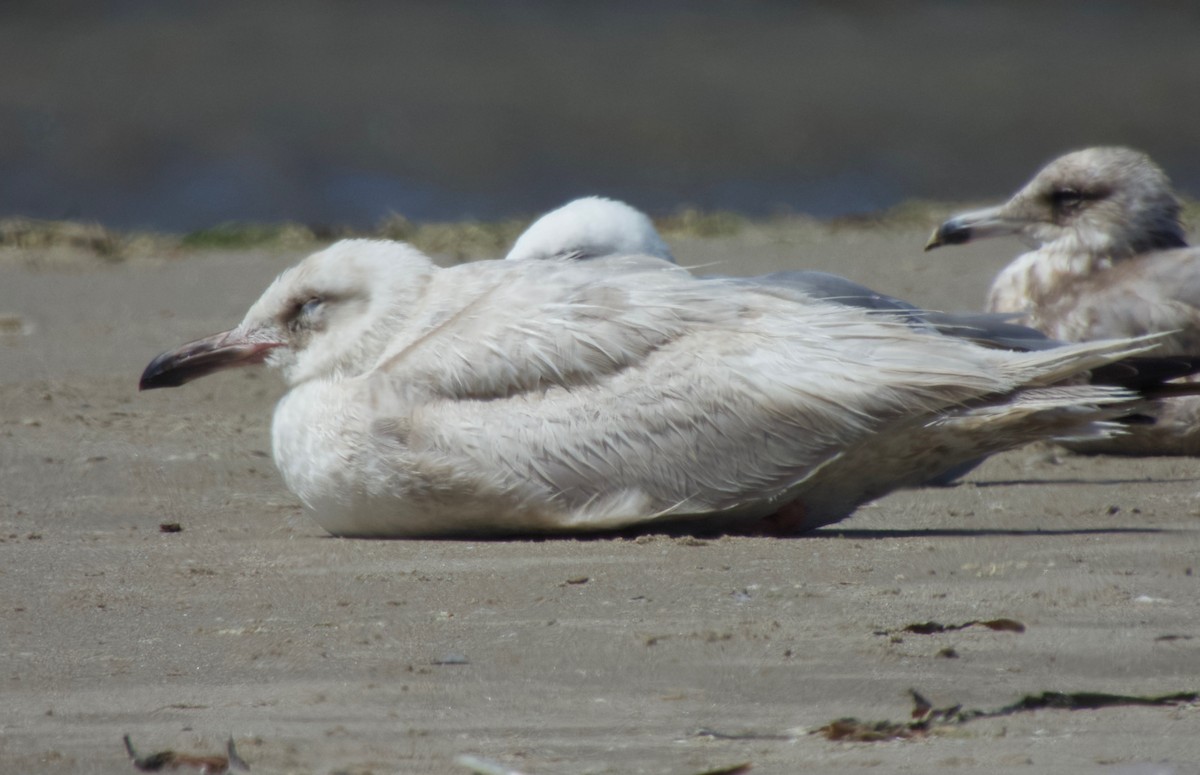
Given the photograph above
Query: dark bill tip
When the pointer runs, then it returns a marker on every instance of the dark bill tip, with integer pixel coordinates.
(200, 358)
(164, 372)
(952, 232)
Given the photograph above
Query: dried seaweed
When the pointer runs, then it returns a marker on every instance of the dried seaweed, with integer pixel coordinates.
(933, 628)
(927, 718)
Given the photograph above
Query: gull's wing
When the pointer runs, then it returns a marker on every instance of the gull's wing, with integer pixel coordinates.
(990, 329)
(493, 329)
(831, 287)
(602, 395)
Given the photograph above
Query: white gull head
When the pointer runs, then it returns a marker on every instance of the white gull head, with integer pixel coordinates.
(329, 316)
(589, 228)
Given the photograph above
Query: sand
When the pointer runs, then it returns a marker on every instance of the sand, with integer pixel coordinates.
(648, 655)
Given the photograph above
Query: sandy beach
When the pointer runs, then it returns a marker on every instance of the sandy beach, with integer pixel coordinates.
(653, 654)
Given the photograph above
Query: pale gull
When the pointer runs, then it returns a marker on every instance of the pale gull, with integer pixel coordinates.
(515, 397)
(1110, 260)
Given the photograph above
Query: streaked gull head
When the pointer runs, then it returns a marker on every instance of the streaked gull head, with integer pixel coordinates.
(589, 228)
(1106, 201)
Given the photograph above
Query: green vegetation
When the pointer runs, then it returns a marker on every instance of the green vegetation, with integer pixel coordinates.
(242, 236)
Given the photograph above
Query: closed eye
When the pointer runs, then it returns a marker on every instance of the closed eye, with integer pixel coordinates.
(310, 306)
(304, 312)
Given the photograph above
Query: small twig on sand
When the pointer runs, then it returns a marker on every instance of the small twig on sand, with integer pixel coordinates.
(732, 769)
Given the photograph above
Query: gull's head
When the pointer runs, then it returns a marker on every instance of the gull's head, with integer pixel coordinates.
(1107, 201)
(590, 228)
(330, 315)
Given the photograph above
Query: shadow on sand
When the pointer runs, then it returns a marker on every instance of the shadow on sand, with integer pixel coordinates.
(1076, 481)
(943, 532)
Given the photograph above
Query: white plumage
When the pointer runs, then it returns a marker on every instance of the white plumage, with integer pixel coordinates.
(518, 396)
(589, 228)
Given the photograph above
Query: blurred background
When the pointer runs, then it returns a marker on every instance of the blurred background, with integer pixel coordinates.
(172, 115)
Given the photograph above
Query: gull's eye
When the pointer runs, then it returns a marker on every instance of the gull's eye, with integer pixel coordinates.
(310, 307)
(305, 313)
(1066, 198)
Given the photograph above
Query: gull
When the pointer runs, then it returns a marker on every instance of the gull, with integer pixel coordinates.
(1109, 260)
(560, 396)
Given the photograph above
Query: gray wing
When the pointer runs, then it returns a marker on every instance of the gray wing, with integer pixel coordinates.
(989, 329)
(831, 287)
